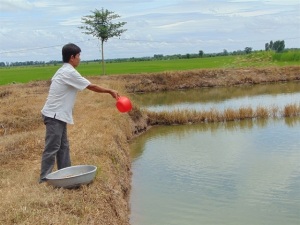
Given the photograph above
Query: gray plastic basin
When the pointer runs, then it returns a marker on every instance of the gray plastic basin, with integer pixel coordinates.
(73, 176)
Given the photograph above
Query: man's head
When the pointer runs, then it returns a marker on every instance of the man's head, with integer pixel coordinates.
(71, 54)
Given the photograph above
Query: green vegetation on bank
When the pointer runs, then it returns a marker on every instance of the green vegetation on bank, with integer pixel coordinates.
(25, 74)
(289, 56)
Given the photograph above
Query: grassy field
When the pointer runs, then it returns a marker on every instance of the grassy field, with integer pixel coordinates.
(258, 59)
(29, 73)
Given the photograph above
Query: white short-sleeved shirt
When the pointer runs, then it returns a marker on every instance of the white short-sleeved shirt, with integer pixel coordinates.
(65, 84)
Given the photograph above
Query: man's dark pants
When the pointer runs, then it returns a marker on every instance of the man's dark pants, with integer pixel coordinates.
(56, 147)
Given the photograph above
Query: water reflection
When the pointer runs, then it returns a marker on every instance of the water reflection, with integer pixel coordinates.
(278, 94)
(244, 172)
(137, 146)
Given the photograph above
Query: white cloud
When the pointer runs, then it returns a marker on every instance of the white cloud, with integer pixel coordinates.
(71, 22)
(13, 5)
(153, 27)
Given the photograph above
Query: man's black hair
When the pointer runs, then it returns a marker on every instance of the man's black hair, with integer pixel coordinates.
(68, 50)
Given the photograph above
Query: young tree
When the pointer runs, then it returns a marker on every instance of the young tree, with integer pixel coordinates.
(100, 25)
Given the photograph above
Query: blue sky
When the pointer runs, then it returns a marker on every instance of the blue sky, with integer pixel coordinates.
(37, 30)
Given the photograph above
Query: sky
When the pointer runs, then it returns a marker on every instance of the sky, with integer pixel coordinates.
(36, 30)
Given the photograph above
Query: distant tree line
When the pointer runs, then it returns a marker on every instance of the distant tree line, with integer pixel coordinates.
(277, 46)
(29, 63)
(200, 54)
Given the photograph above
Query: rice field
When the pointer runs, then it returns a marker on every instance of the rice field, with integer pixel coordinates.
(24, 74)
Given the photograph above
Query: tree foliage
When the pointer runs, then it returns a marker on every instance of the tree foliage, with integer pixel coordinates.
(201, 53)
(100, 25)
(277, 46)
(248, 50)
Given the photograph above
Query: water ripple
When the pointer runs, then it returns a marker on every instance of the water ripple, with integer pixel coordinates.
(228, 176)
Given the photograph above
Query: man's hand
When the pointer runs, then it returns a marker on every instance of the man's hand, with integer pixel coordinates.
(99, 89)
(114, 94)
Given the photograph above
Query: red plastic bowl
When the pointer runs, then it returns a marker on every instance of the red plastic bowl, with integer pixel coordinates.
(123, 104)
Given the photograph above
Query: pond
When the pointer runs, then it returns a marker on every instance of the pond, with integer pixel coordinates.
(244, 172)
(221, 98)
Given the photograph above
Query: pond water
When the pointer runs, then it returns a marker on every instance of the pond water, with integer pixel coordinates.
(221, 98)
(233, 173)
(244, 172)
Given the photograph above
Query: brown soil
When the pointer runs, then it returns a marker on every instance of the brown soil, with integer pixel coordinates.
(99, 137)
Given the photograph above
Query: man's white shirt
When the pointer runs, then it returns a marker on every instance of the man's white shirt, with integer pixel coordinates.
(65, 84)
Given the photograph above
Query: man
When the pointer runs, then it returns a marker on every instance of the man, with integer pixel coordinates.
(57, 111)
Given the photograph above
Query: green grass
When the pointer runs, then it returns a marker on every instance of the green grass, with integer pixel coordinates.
(25, 74)
(257, 59)
(163, 65)
(287, 56)
(30, 73)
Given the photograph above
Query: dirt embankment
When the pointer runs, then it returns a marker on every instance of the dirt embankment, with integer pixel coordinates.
(99, 137)
(207, 78)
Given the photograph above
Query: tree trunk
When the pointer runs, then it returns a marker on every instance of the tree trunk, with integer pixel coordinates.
(103, 69)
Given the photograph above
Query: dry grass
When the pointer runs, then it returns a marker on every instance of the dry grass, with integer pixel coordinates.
(246, 112)
(291, 110)
(214, 115)
(208, 78)
(96, 138)
(99, 137)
